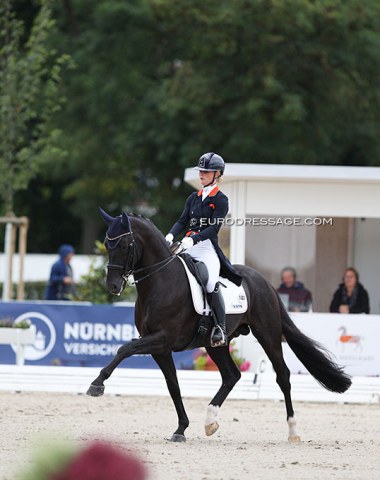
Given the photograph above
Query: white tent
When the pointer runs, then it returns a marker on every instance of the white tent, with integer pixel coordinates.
(350, 196)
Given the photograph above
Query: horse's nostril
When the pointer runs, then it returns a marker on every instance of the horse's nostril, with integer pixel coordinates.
(115, 289)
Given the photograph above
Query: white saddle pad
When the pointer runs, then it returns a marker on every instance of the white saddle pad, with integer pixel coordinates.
(235, 299)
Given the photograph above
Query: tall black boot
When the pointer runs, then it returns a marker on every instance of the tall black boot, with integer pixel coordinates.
(216, 302)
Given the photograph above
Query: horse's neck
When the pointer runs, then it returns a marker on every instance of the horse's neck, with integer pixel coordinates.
(152, 250)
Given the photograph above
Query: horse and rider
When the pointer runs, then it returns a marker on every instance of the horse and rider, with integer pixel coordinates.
(202, 217)
(165, 316)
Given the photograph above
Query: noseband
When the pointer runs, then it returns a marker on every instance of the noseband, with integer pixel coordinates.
(131, 258)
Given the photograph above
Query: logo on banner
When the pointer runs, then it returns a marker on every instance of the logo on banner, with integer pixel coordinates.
(45, 335)
(348, 340)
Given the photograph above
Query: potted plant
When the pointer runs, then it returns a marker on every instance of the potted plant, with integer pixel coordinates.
(202, 361)
(17, 334)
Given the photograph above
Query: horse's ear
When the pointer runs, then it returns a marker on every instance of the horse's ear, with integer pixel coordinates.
(125, 221)
(107, 218)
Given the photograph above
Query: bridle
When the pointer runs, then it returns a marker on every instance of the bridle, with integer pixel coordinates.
(131, 259)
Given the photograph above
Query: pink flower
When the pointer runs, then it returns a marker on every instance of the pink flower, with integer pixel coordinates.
(245, 366)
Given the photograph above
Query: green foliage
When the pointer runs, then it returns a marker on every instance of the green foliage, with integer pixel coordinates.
(9, 323)
(29, 96)
(273, 81)
(258, 81)
(93, 288)
(32, 290)
(49, 458)
(157, 83)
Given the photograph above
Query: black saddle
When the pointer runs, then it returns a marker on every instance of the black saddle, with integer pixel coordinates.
(197, 268)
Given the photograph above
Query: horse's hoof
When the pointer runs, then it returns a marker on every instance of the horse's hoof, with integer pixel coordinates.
(294, 439)
(177, 437)
(211, 429)
(95, 390)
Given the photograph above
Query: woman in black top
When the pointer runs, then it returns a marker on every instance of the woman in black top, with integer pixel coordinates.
(351, 296)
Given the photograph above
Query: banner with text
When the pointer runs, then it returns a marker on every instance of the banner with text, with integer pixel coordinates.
(72, 334)
(352, 339)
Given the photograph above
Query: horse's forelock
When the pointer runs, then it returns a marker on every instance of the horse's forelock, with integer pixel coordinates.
(114, 231)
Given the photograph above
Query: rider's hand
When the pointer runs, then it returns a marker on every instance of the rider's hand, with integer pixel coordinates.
(169, 238)
(187, 242)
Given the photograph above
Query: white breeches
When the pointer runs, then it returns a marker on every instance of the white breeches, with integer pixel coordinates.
(205, 252)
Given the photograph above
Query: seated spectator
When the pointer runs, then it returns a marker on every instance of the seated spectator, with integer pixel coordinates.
(351, 296)
(299, 298)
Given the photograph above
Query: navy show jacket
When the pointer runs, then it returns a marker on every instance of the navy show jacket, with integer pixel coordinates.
(202, 220)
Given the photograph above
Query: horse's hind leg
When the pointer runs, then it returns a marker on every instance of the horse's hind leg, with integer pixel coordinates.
(166, 364)
(230, 376)
(273, 348)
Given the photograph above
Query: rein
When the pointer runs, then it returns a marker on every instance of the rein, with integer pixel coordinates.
(165, 262)
(126, 273)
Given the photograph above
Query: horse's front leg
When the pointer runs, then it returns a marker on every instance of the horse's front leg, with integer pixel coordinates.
(151, 344)
(166, 364)
(230, 376)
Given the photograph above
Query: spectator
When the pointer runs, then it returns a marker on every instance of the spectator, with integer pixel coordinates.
(61, 282)
(299, 298)
(351, 296)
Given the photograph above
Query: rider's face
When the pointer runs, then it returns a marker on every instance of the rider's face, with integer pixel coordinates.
(206, 177)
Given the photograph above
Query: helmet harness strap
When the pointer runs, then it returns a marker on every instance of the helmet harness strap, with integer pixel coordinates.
(214, 178)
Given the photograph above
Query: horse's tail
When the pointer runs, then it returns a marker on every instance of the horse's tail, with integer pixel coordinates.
(314, 357)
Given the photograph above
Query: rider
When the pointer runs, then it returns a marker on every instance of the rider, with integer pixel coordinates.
(203, 215)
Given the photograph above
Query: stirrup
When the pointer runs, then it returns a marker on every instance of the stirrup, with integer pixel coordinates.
(219, 343)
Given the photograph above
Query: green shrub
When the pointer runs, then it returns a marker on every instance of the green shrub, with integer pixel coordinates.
(93, 288)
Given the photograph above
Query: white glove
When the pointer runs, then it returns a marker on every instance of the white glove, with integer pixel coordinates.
(187, 242)
(169, 238)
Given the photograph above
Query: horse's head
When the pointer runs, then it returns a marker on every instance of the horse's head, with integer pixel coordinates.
(121, 251)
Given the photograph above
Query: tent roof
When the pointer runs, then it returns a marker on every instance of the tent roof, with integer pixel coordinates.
(292, 173)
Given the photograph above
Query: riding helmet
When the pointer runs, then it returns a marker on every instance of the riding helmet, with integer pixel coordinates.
(211, 162)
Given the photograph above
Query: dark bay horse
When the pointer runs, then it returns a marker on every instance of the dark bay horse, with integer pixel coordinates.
(167, 322)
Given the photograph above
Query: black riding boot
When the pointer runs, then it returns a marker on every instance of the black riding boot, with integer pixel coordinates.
(216, 302)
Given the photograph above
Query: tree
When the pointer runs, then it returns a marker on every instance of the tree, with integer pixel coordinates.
(270, 81)
(29, 96)
(157, 83)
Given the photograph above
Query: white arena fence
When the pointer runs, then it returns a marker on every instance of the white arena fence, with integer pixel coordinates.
(193, 383)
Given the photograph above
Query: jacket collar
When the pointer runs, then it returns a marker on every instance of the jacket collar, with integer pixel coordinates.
(213, 192)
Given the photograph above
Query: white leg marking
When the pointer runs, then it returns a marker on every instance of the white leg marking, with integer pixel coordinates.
(212, 413)
(211, 424)
(293, 436)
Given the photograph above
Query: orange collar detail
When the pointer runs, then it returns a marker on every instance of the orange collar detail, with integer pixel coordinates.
(213, 192)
